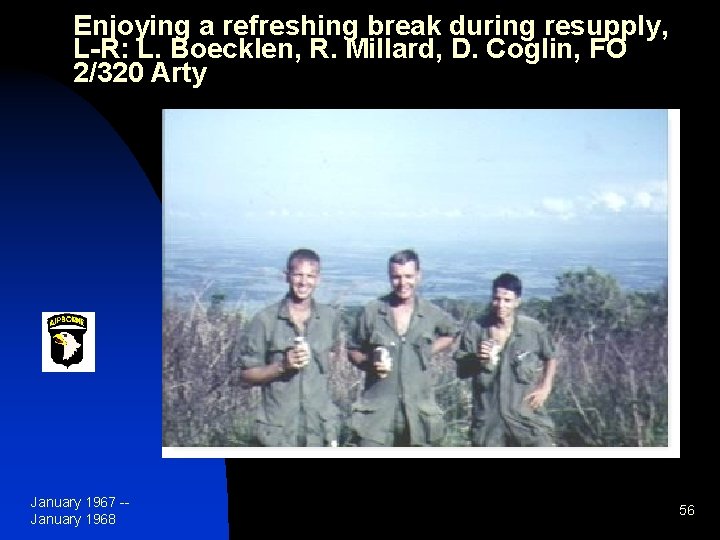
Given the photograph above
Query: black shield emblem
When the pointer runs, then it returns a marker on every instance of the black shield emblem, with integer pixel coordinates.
(66, 338)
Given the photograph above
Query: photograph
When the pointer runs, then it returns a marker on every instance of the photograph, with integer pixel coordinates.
(443, 278)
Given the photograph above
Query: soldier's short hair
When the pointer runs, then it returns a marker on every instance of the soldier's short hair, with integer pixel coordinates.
(508, 281)
(302, 254)
(404, 256)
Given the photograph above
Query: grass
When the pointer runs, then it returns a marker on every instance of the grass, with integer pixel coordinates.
(610, 389)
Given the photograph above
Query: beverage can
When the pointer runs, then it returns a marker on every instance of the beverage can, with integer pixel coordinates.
(494, 353)
(381, 354)
(301, 342)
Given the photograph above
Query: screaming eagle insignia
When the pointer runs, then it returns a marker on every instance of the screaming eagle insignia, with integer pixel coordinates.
(66, 338)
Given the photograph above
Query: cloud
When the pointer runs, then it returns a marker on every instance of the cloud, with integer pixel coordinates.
(516, 213)
(612, 201)
(434, 214)
(562, 208)
(642, 199)
(648, 197)
(652, 197)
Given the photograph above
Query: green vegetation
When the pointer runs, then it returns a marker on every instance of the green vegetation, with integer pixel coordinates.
(611, 387)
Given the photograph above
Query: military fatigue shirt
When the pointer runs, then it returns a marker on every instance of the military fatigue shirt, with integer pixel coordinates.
(298, 403)
(499, 408)
(409, 384)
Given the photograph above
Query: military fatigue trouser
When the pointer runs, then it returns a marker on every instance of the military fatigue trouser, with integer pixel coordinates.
(401, 430)
(497, 434)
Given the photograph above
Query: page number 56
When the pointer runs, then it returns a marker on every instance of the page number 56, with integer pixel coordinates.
(687, 510)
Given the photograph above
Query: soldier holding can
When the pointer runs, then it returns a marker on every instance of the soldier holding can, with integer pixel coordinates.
(512, 364)
(393, 341)
(287, 350)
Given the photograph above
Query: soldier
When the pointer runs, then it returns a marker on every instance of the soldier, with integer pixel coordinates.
(393, 341)
(286, 350)
(512, 364)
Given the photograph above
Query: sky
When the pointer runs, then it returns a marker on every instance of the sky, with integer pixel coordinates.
(391, 175)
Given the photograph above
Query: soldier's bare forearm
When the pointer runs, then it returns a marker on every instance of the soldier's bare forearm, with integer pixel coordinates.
(262, 374)
(442, 343)
(548, 373)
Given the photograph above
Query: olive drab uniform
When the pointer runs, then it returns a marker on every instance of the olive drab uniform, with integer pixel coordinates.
(407, 392)
(500, 416)
(296, 409)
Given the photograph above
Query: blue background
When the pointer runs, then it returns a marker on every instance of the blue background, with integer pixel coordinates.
(83, 232)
